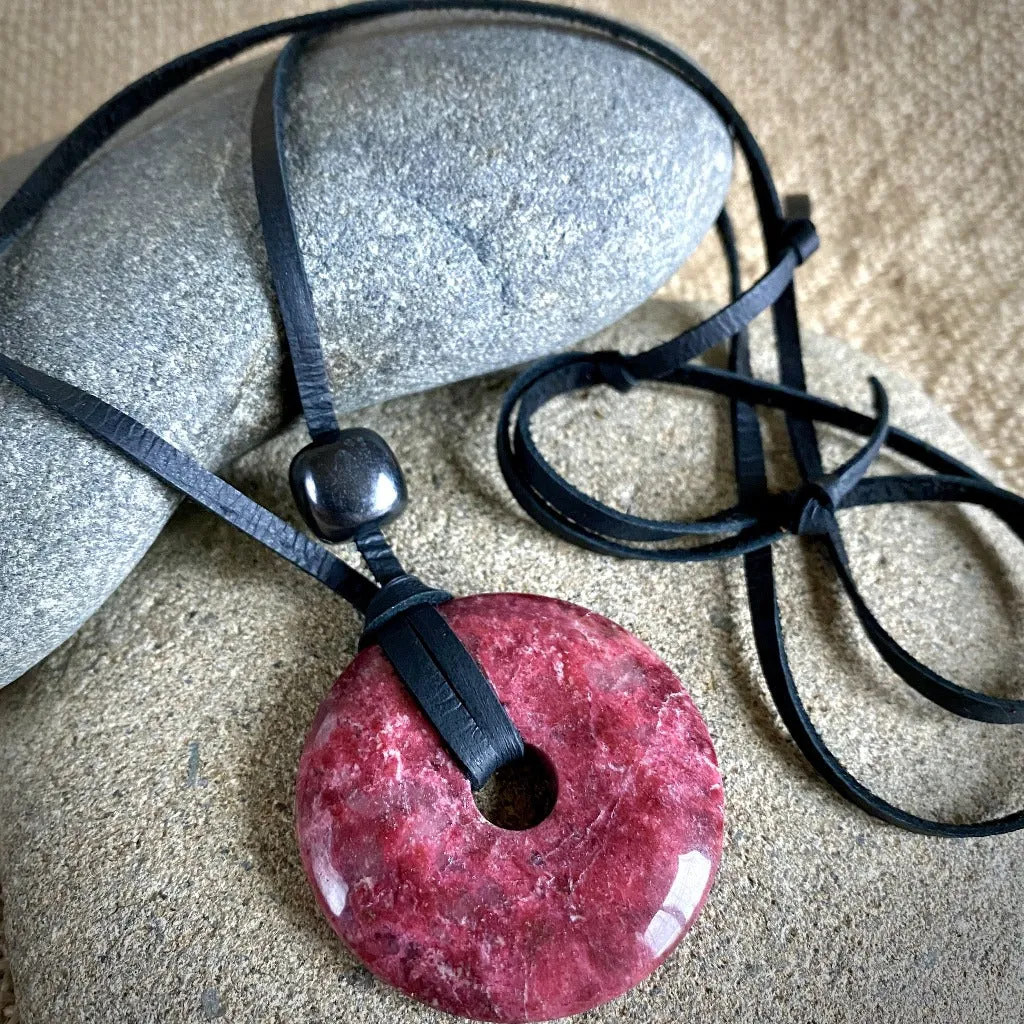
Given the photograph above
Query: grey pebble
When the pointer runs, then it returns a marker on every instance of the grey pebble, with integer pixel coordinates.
(469, 195)
(210, 1004)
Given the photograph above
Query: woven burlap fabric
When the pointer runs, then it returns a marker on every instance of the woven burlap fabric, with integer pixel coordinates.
(901, 120)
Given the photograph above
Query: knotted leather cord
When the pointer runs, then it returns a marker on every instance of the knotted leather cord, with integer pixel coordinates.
(759, 519)
(750, 528)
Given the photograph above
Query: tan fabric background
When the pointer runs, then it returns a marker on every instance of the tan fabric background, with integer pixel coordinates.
(903, 120)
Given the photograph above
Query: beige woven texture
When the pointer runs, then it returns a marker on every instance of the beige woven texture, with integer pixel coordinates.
(903, 121)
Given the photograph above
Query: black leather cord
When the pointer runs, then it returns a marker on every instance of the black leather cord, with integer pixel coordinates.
(181, 471)
(287, 267)
(426, 653)
(451, 688)
(401, 612)
(760, 518)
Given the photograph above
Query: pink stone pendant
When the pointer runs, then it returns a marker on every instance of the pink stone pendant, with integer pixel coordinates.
(502, 922)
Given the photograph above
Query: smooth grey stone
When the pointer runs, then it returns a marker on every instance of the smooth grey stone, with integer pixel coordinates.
(469, 192)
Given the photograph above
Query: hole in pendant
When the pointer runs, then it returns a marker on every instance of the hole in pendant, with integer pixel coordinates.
(521, 794)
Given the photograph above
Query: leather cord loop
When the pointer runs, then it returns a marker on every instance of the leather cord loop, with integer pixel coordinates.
(395, 598)
(438, 671)
(753, 526)
(433, 663)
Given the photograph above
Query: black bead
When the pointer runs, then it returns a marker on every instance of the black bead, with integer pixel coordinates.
(347, 483)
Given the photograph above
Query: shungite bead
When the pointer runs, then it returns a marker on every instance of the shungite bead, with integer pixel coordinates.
(347, 483)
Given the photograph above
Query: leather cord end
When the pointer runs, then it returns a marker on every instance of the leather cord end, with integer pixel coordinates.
(801, 236)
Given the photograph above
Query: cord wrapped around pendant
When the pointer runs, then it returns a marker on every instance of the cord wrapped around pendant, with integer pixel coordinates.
(348, 484)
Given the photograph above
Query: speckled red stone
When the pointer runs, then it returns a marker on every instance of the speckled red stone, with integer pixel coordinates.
(495, 924)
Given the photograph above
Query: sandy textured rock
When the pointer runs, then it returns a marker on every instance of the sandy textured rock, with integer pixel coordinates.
(147, 853)
(468, 195)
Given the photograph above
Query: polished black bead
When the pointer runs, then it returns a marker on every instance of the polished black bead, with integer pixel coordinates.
(347, 483)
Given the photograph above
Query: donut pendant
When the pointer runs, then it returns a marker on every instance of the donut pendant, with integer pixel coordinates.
(515, 921)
